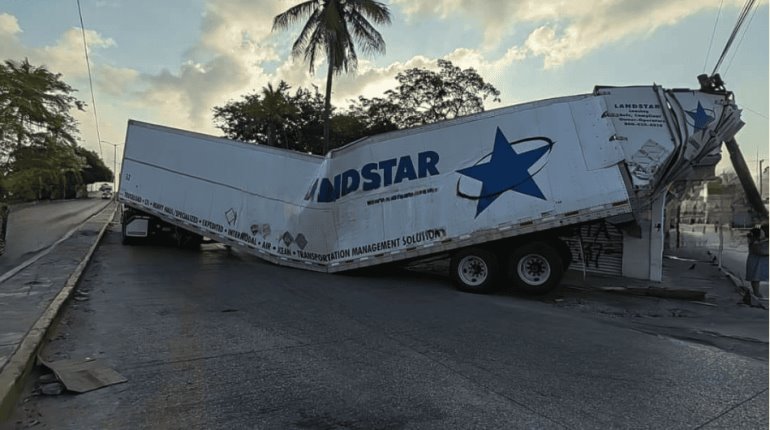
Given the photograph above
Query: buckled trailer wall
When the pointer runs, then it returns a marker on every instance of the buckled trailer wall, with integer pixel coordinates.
(472, 183)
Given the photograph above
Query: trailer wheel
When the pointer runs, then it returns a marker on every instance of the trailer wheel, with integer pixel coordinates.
(186, 239)
(475, 270)
(535, 268)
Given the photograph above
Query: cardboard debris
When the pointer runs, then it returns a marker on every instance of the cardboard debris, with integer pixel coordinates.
(81, 375)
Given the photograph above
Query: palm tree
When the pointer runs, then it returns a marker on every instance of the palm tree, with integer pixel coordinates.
(276, 109)
(332, 28)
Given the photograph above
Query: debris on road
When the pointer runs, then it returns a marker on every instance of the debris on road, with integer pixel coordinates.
(81, 375)
(52, 389)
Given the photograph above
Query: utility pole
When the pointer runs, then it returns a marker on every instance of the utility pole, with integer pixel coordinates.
(747, 182)
(760, 177)
(114, 166)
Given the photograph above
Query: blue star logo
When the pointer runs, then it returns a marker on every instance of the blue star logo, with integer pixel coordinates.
(506, 170)
(700, 118)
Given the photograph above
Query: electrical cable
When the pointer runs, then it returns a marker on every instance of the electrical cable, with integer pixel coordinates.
(754, 112)
(735, 51)
(90, 79)
(741, 18)
(713, 32)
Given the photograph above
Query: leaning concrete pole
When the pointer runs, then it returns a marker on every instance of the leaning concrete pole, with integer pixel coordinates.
(747, 182)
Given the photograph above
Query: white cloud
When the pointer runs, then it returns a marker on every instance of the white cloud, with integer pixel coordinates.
(67, 55)
(10, 46)
(237, 53)
(371, 81)
(564, 30)
(9, 25)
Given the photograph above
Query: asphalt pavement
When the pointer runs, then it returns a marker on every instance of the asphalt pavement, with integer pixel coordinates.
(216, 339)
(36, 226)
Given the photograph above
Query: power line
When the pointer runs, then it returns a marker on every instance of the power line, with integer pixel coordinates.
(741, 40)
(90, 79)
(738, 24)
(713, 32)
(754, 112)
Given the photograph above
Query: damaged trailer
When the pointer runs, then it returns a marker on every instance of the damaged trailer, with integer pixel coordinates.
(500, 191)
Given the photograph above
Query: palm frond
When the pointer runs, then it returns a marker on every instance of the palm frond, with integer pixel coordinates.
(373, 10)
(367, 36)
(294, 14)
(306, 35)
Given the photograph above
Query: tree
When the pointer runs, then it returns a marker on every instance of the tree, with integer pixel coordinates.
(294, 121)
(34, 105)
(239, 121)
(332, 28)
(94, 169)
(44, 170)
(297, 121)
(424, 96)
(39, 157)
(308, 126)
(263, 118)
(377, 114)
(277, 109)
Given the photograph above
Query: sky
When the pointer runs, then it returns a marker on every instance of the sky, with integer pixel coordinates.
(170, 62)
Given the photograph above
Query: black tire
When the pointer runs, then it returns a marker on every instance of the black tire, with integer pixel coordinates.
(475, 270)
(566, 255)
(187, 240)
(535, 267)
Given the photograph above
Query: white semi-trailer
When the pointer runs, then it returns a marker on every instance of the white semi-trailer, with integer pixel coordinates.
(507, 193)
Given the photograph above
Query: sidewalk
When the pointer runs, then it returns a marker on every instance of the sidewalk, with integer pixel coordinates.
(31, 300)
(699, 242)
(720, 315)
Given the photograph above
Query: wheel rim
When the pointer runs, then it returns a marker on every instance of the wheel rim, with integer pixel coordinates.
(534, 269)
(472, 270)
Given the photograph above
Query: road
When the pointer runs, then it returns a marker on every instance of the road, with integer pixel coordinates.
(34, 227)
(213, 339)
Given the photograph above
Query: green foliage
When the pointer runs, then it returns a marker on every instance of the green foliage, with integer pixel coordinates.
(44, 171)
(424, 96)
(94, 169)
(332, 28)
(39, 158)
(34, 105)
(276, 117)
(377, 114)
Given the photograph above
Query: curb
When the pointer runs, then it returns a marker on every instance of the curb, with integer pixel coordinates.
(21, 361)
(735, 280)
